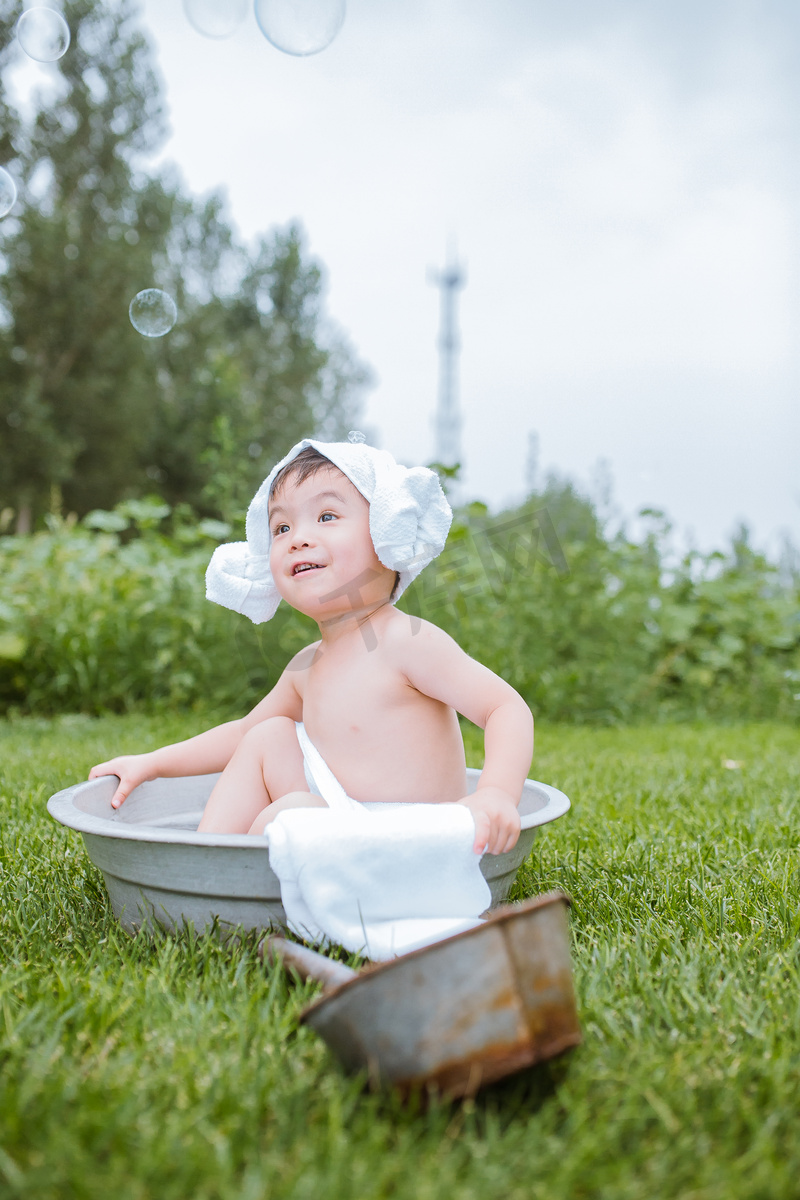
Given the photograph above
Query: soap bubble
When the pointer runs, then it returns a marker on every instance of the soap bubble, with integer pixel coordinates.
(153, 312)
(43, 34)
(215, 18)
(356, 437)
(300, 27)
(8, 192)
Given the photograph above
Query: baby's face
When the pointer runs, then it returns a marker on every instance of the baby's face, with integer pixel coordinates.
(322, 557)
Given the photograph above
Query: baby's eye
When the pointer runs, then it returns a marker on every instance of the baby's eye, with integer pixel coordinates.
(328, 516)
(281, 528)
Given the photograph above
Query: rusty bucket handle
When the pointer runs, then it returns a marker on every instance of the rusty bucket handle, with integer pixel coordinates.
(307, 963)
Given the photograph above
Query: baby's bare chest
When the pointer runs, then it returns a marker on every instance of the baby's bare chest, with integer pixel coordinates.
(358, 695)
(382, 738)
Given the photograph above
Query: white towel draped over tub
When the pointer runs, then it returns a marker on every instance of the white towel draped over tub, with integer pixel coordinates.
(379, 879)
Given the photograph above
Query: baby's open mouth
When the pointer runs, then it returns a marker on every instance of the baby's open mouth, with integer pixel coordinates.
(305, 566)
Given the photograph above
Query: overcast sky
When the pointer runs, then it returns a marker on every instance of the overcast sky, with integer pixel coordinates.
(621, 181)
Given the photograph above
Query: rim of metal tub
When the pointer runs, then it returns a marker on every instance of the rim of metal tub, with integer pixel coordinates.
(63, 808)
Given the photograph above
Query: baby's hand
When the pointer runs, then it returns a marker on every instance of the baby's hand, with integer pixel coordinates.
(496, 820)
(132, 769)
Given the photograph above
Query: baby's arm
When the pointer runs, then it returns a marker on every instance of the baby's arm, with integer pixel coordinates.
(206, 753)
(438, 667)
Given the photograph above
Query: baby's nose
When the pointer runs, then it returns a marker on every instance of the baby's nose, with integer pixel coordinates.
(301, 536)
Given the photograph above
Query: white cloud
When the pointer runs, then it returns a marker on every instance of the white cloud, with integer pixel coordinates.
(619, 181)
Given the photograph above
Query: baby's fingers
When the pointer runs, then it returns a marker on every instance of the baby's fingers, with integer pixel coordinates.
(120, 795)
(122, 791)
(503, 836)
(483, 829)
(509, 842)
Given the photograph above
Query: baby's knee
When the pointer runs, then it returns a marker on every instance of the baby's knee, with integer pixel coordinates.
(275, 733)
(290, 800)
(295, 800)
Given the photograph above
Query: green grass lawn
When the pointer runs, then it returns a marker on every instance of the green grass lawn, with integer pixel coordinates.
(174, 1068)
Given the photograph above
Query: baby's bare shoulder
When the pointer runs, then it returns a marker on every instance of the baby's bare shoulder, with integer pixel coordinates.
(305, 657)
(410, 636)
(296, 670)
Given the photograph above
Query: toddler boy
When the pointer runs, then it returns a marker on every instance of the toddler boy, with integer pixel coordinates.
(338, 530)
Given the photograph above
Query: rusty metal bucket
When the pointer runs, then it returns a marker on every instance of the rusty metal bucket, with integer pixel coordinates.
(456, 1015)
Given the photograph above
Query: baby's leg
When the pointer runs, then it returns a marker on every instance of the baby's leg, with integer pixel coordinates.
(293, 800)
(267, 764)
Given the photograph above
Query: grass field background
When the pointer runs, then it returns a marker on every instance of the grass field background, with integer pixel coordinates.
(171, 1067)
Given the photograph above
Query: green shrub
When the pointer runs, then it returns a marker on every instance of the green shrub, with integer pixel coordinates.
(93, 619)
(595, 628)
(110, 615)
(564, 623)
(728, 638)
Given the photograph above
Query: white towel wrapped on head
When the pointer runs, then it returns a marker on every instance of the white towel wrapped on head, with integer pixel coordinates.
(409, 519)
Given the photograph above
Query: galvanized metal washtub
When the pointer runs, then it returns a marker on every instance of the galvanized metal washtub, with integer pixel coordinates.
(456, 1015)
(157, 868)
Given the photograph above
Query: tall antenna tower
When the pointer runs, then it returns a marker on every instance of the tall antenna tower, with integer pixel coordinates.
(532, 464)
(448, 417)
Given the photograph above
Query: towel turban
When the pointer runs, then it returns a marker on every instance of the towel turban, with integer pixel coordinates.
(409, 519)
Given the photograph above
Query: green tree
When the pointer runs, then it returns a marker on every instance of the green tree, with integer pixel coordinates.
(89, 409)
(247, 374)
(76, 393)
